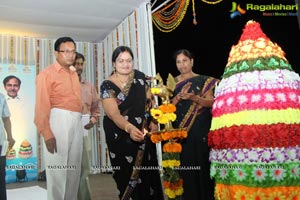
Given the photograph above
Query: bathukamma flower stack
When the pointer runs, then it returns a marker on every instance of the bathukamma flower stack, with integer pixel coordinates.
(255, 130)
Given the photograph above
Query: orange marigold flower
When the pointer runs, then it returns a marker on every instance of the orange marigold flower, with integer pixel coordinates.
(176, 185)
(169, 108)
(166, 184)
(172, 147)
(166, 135)
(155, 138)
(183, 134)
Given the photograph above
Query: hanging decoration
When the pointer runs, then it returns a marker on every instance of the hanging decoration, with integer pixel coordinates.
(168, 18)
(194, 13)
(12, 51)
(212, 2)
(165, 114)
(25, 51)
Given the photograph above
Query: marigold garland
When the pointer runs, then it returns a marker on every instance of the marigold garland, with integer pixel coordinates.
(172, 184)
(167, 135)
(171, 160)
(165, 114)
(169, 17)
(212, 2)
(168, 21)
(173, 189)
(194, 13)
(172, 147)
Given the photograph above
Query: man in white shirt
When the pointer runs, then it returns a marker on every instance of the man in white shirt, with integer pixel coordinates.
(5, 130)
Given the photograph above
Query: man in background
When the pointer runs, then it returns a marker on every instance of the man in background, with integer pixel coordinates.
(58, 118)
(4, 125)
(90, 116)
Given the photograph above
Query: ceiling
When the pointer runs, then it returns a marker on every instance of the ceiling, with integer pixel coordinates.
(83, 20)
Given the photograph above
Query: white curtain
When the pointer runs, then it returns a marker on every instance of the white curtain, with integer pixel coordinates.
(17, 50)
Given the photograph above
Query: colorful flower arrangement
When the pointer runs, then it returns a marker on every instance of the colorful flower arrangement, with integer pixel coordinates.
(170, 162)
(164, 114)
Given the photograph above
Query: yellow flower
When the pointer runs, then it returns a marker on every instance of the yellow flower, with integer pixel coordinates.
(240, 195)
(163, 119)
(276, 196)
(171, 116)
(170, 193)
(295, 195)
(179, 191)
(173, 193)
(155, 91)
(225, 194)
(156, 113)
(259, 195)
(170, 163)
(165, 163)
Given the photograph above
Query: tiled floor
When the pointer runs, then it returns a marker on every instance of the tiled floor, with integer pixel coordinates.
(102, 186)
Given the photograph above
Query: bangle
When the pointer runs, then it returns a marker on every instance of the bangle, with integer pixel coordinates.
(127, 126)
(177, 98)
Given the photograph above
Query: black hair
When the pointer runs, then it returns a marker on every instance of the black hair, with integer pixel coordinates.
(121, 49)
(79, 55)
(6, 79)
(185, 52)
(62, 40)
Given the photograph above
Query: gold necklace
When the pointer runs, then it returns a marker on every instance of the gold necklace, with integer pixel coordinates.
(122, 83)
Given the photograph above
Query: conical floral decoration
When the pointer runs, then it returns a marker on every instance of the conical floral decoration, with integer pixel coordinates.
(255, 130)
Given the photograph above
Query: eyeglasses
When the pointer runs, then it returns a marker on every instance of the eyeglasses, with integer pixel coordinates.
(67, 52)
